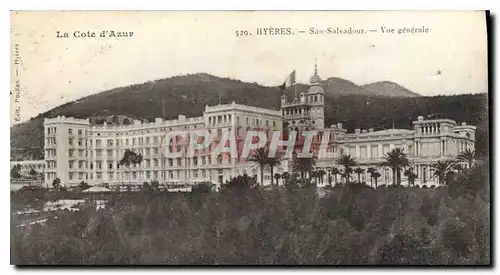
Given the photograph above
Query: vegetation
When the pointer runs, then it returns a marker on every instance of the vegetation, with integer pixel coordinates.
(249, 224)
(467, 156)
(396, 159)
(359, 171)
(304, 165)
(347, 162)
(411, 176)
(130, 158)
(15, 171)
(442, 169)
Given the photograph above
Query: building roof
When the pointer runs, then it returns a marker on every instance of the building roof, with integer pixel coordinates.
(391, 132)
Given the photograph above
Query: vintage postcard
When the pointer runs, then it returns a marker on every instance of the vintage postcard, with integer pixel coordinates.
(249, 138)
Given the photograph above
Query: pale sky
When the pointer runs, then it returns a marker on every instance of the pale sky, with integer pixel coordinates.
(450, 59)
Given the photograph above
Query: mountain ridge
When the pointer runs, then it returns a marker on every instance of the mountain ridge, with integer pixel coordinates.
(345, 102)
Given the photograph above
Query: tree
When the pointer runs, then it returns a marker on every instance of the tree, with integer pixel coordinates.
(155, 185)
(467, 156)
(260, 157)
(396, 160)
(84, 185)
(115, 119)
(304, 166)
(347, 162)
(241, 182)
(376, 175)
(277, 177)
(321, 174)
(15, 171)
(130, 158)
(314, 175)
(442, 168)
(273, 162)
(56, 183)
(411, 176)
(370, 171)
(202, 187)
(335, 171)
(285, 176)
(359, 171)
(33, 173)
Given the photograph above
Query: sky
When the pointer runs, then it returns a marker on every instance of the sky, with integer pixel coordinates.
(451, 58)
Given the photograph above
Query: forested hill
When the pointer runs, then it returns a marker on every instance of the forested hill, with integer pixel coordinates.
(345, 102)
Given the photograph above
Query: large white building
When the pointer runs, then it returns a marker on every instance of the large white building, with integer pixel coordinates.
(77, 151)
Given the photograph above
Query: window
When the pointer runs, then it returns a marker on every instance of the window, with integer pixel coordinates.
(79, 132)
(70, 131)
(70, 141)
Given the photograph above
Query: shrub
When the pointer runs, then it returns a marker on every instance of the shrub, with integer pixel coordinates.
(202, 187)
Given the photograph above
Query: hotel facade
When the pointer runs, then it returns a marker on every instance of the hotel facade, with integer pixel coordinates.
(76, 151)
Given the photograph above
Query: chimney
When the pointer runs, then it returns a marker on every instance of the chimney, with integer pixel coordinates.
(158, 120)
(463, 123)
(370, 130)
(357, 130)
(182, 117)
(364, 131)
(339, 125)
(420, 118)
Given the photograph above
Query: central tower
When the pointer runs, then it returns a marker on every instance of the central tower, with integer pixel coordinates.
(316, 99)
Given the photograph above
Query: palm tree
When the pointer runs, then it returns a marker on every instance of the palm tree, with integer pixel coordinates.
(335, 171)
(348, 162)
(285, 176)
(273, 162)
(411, 176)
(130, 157)
(359, 171)
(321, 174)
(260, 157)
(370, 171)
(304, 166)
(442, 168)
(277, 177)
(314, 175)
(396, 160)
(467, 156)
(375, 175)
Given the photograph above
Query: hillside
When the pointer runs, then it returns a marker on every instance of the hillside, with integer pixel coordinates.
(345, 102)
(388, 88)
